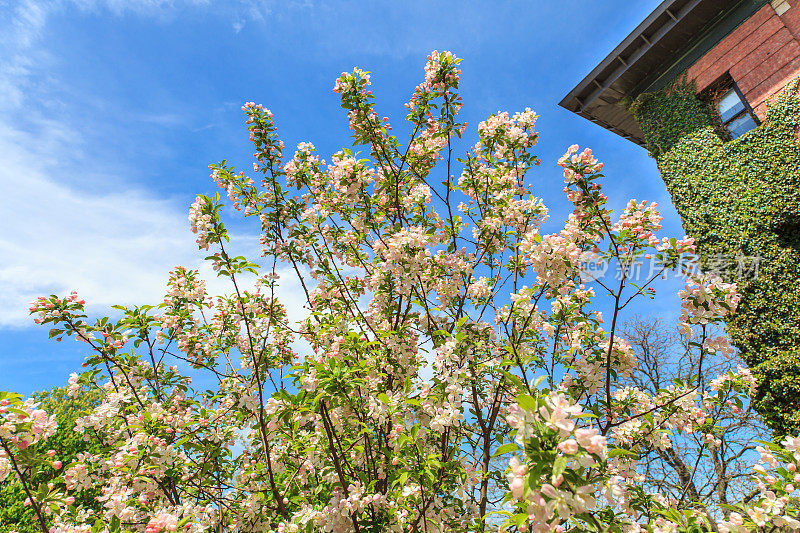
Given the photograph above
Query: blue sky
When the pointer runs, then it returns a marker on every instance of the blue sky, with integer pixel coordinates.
(111, 111)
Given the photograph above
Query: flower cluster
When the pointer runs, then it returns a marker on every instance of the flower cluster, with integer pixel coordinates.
(201, 221)
(705, 300)
(23, 424)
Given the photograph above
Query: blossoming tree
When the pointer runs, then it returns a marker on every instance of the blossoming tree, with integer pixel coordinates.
(679, 472)
(64, 443)
(450, 353)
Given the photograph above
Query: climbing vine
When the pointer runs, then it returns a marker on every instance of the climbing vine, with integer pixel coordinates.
(740, 200)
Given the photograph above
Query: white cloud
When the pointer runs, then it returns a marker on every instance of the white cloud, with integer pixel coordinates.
(57, 232)
(141, 7)
(113, 248)
(23, 23)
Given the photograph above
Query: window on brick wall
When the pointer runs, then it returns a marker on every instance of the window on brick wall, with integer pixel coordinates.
(734, 112)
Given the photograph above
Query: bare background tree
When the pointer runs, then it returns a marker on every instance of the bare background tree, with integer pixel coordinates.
(679, 472)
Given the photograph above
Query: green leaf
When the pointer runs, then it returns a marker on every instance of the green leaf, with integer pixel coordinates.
(506, 448)
(401, 479)
(559, 465)
(515, 380)
(616, 452)
(527, 402)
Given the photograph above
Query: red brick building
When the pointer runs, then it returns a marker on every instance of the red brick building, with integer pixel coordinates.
(734, 182)
(761, 56)
(751, 47)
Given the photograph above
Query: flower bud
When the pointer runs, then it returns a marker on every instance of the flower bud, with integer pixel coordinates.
(517, 487)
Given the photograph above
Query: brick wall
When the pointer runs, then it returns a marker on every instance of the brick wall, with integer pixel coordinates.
(762, 55)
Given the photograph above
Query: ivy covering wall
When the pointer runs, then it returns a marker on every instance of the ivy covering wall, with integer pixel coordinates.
(741, 198)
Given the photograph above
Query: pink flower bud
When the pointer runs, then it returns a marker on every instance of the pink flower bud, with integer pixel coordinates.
(57, 464)
(517, 487)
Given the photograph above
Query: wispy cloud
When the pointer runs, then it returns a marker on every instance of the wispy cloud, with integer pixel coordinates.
(141, 7)
(25, 19)
(114, 248)
(59, 233)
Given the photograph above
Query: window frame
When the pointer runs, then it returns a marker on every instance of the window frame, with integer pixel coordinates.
(723, 86)
(747, 108)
